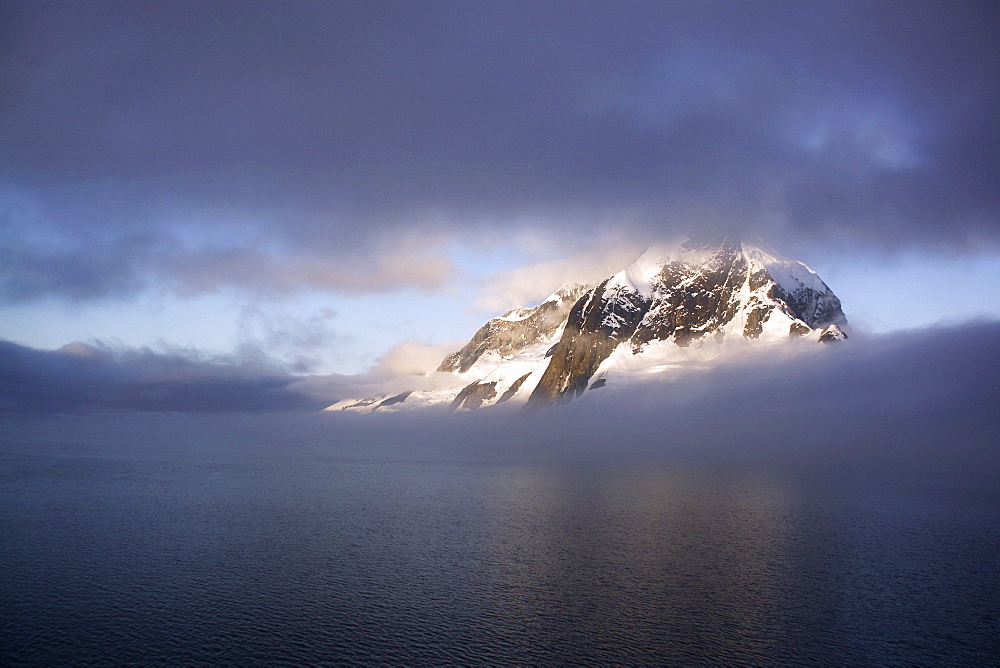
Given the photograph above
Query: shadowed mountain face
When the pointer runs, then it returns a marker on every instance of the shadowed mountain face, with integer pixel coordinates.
(596, 326)
(714, 288)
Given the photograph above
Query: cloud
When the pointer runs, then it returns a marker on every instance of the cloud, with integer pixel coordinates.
(921, 401)
(407, 366)
(116, 269)
(207, 270)
(88, 269)
(532, 283)
(897, 396)
(107, 377)
(85, 378)
(328, 128)
(299, 343)
(411, 358)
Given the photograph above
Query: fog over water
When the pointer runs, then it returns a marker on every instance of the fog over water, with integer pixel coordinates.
(913, 398)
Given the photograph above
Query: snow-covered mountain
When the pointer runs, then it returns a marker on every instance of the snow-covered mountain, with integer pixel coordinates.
(675, 306)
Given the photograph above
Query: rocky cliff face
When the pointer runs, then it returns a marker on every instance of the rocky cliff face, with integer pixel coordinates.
(709, 288)
(595, 327)
(515, 330)
(674, 305)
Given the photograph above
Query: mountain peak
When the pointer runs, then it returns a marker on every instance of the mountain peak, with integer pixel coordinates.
(676, 303)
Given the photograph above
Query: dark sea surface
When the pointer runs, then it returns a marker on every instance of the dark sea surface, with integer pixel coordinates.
(165, 540)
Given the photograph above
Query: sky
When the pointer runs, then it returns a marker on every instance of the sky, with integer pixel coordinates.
(228, 197)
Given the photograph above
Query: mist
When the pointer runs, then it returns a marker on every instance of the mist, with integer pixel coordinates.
(918, 401)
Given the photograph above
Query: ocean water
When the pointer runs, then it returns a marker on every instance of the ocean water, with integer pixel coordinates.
(165, 540)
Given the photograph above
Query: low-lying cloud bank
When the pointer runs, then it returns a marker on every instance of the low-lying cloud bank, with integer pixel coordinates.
(82, 378)
(101, 377)
(923, 402)
(924, 398)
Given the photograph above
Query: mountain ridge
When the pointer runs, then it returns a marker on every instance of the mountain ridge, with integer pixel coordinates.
(674, 304)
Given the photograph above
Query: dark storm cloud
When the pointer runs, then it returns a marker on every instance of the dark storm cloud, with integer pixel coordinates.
(85, 378)
(331, 127)
(113, 268)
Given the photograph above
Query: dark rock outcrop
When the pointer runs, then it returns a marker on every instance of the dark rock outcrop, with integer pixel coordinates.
(473, 395)
(362, 403)
(598, 322)
(809, 306)
(832, 333)
(692, 301)
(512, 390)
(398, 399)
